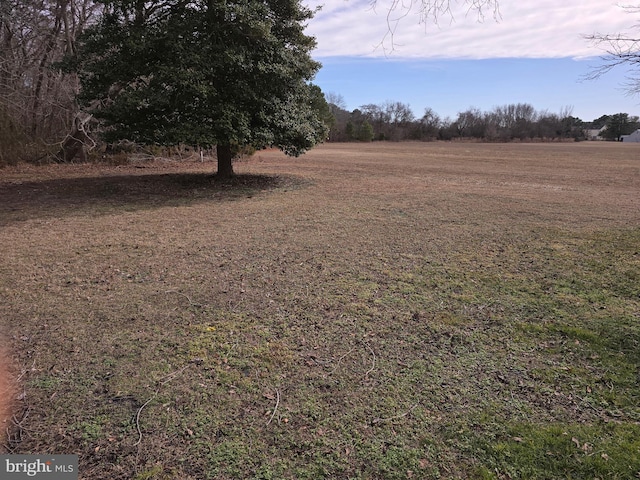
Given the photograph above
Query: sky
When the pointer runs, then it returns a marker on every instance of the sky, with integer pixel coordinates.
(527, 51)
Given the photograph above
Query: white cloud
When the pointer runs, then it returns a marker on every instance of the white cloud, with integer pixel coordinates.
(526, 29)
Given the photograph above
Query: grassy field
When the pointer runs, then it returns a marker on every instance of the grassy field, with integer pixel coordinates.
(368, 311)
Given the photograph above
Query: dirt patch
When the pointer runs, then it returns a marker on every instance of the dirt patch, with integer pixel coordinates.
(7, 394)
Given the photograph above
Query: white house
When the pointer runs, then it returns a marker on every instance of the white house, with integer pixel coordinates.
(634, 137)
(594, 133)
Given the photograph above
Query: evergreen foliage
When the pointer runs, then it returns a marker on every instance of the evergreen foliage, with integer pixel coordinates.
(366, 133)
(618, 125)
(203, 72)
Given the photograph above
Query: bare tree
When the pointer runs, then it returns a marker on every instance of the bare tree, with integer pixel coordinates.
(434, 11)
(37, 100)
(470, 123)
(622, 49)
(336, 100)
(390, 121)
(430, 124)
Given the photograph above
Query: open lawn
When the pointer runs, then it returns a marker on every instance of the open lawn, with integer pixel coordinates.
(368, 311)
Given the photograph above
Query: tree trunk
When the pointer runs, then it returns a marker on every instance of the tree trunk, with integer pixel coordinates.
(44, 66)
(225, 167)
(75, 143)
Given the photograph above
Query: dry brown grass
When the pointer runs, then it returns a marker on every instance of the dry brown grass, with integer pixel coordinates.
(8, 394)
(386, 297)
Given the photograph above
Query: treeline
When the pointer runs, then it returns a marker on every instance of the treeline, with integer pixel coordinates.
(395, 121)
(40, 115)
(37, 100)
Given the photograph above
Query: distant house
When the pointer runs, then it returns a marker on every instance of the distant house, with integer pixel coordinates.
(634, 137)
(594, 133)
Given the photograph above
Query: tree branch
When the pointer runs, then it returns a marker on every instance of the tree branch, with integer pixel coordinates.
(433, 10)
(620, 50)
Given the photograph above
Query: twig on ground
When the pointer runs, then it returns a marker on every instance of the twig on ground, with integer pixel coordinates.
(584, 401)
(373, 362)
(24, 371)
(167, 378)
(18, 423)
(14, 439)
(138, 417)
(163, 381)
(275, 409)
(185, 296)
(395, 417)
(340, 359)
(17, 433)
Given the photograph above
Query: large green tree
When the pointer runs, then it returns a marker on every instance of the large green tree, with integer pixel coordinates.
(618, 125)
(203, 72)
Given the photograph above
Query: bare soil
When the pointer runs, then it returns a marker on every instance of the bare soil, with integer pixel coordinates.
(365, 311)
(7, 394)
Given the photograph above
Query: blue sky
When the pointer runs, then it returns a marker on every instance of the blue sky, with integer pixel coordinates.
(530, 51)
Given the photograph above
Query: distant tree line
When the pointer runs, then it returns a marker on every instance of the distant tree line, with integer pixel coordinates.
(395, 121)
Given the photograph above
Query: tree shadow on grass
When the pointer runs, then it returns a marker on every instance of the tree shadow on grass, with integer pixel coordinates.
(101, 195)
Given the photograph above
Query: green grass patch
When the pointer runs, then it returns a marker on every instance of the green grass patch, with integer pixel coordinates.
(571, 451)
